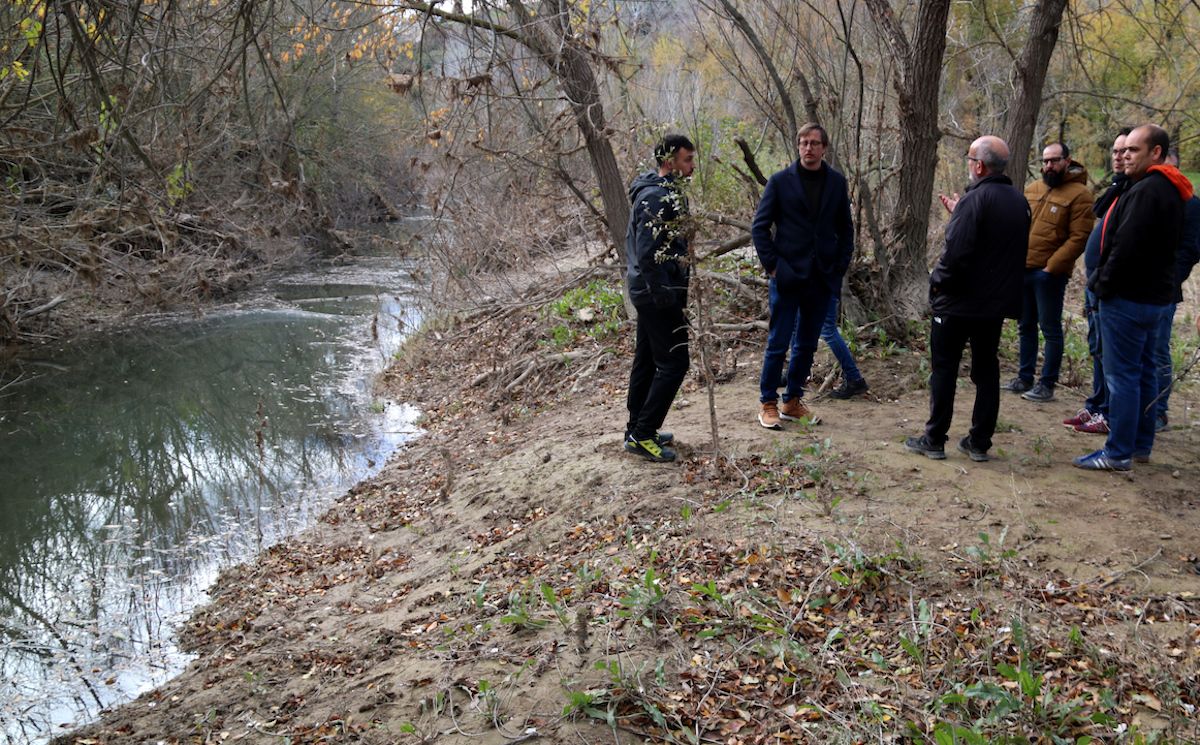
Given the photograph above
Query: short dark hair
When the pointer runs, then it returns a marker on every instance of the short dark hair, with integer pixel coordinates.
(1065, 150)
(1158, 137)
(1123, 132)
(669, 145)
(812, 127)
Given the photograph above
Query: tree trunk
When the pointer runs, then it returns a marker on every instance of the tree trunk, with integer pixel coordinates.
(917, 83)
(578, 79)
(1029, 78)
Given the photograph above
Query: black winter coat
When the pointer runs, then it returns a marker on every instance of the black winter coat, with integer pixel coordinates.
(1141, 236)
(981, 269)
(809, 241)
(655, 250)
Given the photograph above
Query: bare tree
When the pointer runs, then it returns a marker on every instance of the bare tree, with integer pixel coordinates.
(917, 79)
(1029, 73)
(571, 57)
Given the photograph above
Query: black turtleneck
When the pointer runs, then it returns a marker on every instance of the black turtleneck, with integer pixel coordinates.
(814, 184)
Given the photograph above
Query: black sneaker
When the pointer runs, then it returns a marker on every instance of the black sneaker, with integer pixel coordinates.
(649, 449)
(849, 389)
(1040, 393)
(662, 438)
(972, 452)
(1017, 385)
(923, 446)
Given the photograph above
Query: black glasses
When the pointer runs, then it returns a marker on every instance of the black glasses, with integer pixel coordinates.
(1051, 161)
(972, 157)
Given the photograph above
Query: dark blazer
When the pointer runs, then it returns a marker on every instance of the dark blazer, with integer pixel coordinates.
(982, 268)
(809, 242)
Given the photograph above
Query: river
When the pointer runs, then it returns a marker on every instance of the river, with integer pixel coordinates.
(135, 465)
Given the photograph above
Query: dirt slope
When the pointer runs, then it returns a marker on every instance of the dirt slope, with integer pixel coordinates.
(515, 576)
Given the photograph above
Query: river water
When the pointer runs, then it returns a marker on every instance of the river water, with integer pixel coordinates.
(135, 465)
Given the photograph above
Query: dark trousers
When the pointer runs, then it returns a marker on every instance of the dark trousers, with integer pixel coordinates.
(1041, 308)
(660, 362)
(948, 336)
(1097, 403)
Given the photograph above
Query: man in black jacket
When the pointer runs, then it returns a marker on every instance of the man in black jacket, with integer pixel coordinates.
(656, 254)
(1135, 282)
(804, 237)
(974, 286)
(1185, 258)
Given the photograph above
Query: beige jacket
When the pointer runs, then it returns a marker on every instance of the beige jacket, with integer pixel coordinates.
(1062, 220)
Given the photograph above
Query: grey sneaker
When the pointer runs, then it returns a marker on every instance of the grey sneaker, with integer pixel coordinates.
(923, 446)
(1040, 393)
(1017, 385)
(972, 452)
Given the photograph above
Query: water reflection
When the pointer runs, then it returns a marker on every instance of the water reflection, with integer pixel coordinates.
(134, 467)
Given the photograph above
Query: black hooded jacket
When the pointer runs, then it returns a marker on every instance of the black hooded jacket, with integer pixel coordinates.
(981, 270)
(655, 250)
(1140, 236)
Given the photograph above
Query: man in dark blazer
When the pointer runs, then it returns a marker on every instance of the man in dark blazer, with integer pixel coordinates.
(804, 238)
(974, 286)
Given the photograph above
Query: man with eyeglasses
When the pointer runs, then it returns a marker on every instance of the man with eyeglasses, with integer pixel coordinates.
(804, 236)
(1093, 417)
(1136, 283)
(974, 286)
(1061, 204)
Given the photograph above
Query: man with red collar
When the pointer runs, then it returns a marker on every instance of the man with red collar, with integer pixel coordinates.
(1135, 282)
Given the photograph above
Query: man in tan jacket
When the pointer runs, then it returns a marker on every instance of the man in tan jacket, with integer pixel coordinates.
(1062, 219)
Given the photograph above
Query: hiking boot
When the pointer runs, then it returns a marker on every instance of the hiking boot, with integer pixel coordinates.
(793, 410)
(923, 446)
(1099, 461)
(1160, 423)
(849, 389)
(1040, 393)
(649, 449)
(1083, 416)
(972, 452)
(1141, 457)
(1016, 385)
(768, 416)
(1094, 426)
(662, 438)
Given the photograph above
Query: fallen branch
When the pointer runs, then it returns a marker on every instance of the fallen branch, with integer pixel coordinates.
(724, 248)
(43, 308)
(737, 283)
(748, 326)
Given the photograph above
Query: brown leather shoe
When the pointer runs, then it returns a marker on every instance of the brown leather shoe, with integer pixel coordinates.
(768, 416)
(794, 410)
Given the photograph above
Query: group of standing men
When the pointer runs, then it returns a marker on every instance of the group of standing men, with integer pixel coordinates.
(1006, 255)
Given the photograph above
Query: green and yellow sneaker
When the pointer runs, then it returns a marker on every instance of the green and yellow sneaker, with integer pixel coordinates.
(649, 449)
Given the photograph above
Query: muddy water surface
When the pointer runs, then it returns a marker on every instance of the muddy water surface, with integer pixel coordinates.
(135, 465)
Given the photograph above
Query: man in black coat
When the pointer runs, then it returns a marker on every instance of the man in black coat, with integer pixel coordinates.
(974, 286)
(656, 254)
(1136, 284)
(804, 237)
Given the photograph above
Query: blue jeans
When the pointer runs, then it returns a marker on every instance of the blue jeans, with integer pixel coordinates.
(796, 319)
(1162, 359)
(1129, 332)
(833, 337)
(1041, 307)
(1097, 403)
